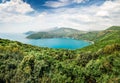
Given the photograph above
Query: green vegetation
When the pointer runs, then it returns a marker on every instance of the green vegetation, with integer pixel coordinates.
(97, 63)
(114, 28)
(73, 33)
(57, 33)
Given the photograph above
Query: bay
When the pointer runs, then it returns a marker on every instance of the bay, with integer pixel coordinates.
(63, 43)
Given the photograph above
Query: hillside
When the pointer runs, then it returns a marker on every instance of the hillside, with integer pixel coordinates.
(72, 33)
(98, 35)
(97, 63)
(102, 38)
(56, 33)
(114, 28)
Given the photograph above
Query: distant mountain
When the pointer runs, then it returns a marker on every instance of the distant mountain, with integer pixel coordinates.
(64, 30)
(58, 32)
(29, 32)
(76, 34)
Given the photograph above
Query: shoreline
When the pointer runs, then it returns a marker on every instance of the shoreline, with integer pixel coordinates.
(92, 42)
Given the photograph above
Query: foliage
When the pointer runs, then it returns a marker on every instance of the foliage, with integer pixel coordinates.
(114, 28)
(97, 63)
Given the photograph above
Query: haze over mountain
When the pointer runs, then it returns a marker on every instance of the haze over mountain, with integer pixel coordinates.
(39, 15)
(56, 33)
(29, 32)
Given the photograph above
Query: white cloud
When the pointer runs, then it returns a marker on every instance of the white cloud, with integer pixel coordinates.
(82, 18)
(102, 13)
(15, 11)
(16, 6)
(80, 1)
(55, 4)
(108, 8)
(61, 3)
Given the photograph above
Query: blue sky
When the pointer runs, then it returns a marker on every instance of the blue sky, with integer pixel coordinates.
(39, 15)
(39, 5)
(45, 4)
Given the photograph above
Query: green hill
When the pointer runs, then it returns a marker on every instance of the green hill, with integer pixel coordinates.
(56, 33)
(98, 35)
(114, 28)
(73, 33)
(97, 63)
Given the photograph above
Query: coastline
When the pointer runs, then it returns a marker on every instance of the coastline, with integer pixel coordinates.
(92, 42)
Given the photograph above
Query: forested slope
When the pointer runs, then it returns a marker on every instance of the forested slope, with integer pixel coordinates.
(97, 63)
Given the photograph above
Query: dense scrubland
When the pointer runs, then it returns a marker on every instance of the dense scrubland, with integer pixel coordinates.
(97, 63)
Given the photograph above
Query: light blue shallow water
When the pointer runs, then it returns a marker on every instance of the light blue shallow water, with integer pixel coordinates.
(51, 43)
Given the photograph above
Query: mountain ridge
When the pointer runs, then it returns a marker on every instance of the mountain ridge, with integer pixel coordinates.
(59, 32)
(72, 33)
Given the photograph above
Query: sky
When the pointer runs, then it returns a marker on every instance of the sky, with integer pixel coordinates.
(40, 15)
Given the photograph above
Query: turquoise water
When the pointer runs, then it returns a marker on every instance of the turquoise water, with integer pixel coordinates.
(51, 42)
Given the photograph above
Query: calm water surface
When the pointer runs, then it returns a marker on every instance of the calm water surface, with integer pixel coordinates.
(51, 42)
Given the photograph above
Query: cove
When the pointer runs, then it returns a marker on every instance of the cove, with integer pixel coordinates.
(62, 43)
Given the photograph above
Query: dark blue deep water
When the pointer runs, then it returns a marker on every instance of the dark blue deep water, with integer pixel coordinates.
(50, 43)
